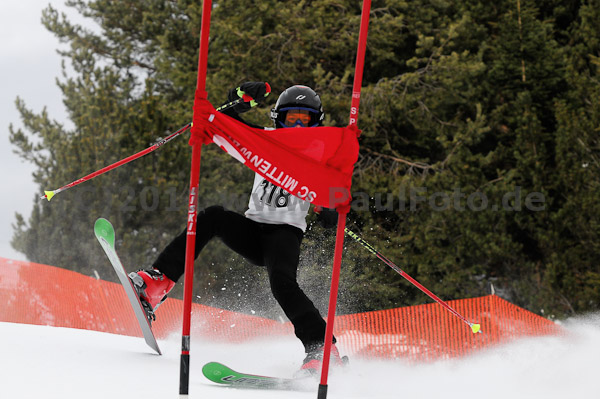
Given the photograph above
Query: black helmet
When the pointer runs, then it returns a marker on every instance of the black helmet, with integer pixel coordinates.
(305, 105)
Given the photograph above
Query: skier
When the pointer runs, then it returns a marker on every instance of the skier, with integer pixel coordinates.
(269, 234)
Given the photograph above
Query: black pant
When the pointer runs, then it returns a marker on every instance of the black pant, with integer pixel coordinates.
(276, 246)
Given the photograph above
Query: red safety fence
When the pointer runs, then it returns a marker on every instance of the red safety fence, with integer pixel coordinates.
(32, 293)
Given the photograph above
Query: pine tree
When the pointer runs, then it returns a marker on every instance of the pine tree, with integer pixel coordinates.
(478, 162)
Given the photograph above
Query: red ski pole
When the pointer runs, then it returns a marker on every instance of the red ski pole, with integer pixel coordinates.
(49, 194)
(476, 328)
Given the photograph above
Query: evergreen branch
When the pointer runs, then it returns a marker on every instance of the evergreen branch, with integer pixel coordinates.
(400, 160)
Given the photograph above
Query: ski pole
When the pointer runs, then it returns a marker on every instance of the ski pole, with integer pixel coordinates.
(476, 328)
(49, 194)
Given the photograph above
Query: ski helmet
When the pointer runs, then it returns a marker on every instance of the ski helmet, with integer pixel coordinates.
(298, 106)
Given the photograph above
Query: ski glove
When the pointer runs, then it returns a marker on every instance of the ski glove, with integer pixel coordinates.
(253, 93)
(327, 218)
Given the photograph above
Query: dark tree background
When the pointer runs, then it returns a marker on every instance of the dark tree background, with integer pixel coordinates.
(479, 161)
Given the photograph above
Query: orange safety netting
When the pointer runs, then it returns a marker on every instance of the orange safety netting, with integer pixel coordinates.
(45, 295)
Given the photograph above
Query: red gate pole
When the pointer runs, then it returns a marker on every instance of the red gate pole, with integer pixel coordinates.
(184, 371)
(339, 241)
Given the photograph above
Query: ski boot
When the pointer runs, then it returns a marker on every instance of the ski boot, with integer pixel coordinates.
(152, 287)
(312, 364)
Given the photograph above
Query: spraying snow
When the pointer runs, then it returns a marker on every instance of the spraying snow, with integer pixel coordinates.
(52, 362)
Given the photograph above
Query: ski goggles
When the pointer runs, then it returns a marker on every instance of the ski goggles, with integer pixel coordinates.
(294, 116)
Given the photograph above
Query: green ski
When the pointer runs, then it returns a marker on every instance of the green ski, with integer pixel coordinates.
(222, 374)
(105, 233)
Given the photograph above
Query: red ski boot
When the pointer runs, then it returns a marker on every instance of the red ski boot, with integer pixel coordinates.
(152, 287)
(314, 361)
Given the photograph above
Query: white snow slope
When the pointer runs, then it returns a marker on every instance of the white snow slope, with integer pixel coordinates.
(51, 362)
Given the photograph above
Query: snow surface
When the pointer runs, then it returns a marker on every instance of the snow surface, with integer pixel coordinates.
(52, 362)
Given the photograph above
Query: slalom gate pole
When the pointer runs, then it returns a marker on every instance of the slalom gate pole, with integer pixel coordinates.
(339, 240)
(475, 328)
(184, 370)
(49, 194)
(333, 294)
